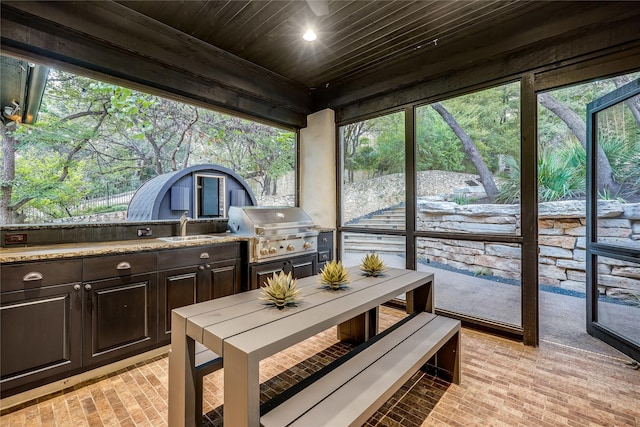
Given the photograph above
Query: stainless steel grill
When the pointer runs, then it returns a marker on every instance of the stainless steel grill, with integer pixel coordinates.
(276, 232)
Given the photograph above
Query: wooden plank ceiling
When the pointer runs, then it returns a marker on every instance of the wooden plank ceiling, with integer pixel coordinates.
(353, 37)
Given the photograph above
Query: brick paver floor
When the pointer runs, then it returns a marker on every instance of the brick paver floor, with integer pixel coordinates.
(504, 383)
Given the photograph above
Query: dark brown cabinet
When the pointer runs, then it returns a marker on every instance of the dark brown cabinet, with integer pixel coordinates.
(119, 310)
(193, 275)
(301, 266)
(59, 318)
(325, 249)
(40, 321)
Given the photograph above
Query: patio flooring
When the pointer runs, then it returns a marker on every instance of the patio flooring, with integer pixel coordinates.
(571, 379)
(504, 383)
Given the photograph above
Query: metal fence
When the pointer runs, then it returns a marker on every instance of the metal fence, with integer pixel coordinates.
(88, 206)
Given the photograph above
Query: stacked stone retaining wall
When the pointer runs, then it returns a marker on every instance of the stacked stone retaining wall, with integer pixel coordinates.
(562, 242)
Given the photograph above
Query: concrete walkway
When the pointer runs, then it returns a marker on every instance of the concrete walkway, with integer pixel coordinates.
(562, 317)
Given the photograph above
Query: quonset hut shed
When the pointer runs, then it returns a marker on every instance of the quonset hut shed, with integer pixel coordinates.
(203, 191)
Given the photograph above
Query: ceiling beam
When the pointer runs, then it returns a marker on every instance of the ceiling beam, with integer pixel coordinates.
(110, 41)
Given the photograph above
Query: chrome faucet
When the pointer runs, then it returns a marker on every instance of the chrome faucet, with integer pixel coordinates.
(183, 223)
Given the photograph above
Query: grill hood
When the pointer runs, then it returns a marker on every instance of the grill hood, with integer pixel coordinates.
(268, 220)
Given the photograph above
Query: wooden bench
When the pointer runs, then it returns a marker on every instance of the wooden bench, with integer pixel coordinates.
(206, 362)
(348, 394)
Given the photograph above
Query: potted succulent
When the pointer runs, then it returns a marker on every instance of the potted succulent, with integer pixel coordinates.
(280, 290)
(372, 265)
(334, 275)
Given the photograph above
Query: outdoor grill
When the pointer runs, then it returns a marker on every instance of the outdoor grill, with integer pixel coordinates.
(275, 232)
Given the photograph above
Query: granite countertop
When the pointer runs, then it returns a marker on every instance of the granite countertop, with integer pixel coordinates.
(74, 250)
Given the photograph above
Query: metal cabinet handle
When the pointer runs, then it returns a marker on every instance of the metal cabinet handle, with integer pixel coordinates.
(124, 265)
(77, 287)
(87, 287)
(32, 276)
(201, 268)
(208, 265)
(204, 255)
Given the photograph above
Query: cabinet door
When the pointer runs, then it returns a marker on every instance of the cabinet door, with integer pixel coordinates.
(299, 267)
(120, 317)
(325, 249)
(303, 267)
(225, 278)
(177, 288)
(260, 272)
(40, 335)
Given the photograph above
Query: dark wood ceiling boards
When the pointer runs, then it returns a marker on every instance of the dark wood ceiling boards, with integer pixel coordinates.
(354, 36)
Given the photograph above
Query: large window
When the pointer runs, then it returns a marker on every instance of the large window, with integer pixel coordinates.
(373, 173)
(468, 163)
(468, 185)
(95, 143)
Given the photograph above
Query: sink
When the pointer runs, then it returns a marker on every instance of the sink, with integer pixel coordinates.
(192, 238)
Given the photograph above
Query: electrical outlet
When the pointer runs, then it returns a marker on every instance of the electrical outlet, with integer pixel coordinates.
(15, 239)
(143, 232)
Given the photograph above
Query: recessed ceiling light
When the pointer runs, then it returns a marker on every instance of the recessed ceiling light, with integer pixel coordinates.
(309, 36)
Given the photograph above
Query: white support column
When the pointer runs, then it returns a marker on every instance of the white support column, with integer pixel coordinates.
(318, 168)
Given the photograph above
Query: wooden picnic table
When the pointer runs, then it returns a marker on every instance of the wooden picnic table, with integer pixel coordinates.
(244, 330)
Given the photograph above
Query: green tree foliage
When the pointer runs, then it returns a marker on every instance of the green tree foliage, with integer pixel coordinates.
(257, 152)
(491, 117)
(92, 136)
(438, 148)
(40, 182)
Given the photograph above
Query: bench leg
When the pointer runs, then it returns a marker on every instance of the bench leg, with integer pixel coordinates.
(446, 362)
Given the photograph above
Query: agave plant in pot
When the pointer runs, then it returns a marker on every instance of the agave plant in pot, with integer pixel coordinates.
(372, 265)
(334, 275)
(280, 290)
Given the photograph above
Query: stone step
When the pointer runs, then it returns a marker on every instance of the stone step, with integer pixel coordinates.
(377, 249)
(382, 225)
(379, 244)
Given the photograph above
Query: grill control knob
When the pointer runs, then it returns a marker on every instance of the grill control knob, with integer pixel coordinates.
(306, 245)
(264, 251)
(272, 250)
(291, 248)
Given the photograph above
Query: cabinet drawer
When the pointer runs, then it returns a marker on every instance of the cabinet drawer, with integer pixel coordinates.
(39, 274)
(324, 256)
(176, 258)
(105, 267)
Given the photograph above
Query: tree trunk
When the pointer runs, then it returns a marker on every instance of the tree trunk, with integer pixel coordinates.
(266, 188)
(472, 151)
(604, 173)
(632, 103)
(8, 175)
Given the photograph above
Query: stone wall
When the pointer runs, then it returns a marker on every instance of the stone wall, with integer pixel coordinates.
(562, 242)
(362, 197)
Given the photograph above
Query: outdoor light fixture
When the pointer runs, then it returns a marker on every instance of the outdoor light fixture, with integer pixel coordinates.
(309, 35)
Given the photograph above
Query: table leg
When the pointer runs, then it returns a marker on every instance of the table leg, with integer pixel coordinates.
(241, 388)
(361, 328)
(182, 391)
(421, 298)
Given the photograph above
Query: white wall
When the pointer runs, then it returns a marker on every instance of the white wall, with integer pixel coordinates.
(318, 168)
